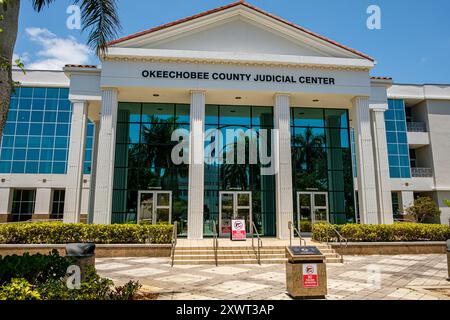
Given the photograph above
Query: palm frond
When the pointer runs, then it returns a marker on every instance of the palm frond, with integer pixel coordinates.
(38, 5)
(100, 17)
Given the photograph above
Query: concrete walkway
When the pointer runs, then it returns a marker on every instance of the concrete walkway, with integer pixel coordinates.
(401, 277)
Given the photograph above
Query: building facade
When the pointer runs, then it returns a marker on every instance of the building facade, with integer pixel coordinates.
(96, 144)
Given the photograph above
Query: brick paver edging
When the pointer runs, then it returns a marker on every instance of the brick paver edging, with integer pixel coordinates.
(390, 248)
(101, 250)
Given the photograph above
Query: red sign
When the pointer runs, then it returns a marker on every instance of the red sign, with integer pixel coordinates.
(238, 232)
(310, 276)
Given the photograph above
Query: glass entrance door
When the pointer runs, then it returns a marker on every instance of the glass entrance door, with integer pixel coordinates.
(312, 207)
(234, 205)
(155, 206)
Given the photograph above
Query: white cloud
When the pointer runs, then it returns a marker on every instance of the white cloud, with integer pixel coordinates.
(55, 52)
(24, 57)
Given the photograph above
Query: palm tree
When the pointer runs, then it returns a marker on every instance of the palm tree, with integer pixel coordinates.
(99, 17)
(310, 155)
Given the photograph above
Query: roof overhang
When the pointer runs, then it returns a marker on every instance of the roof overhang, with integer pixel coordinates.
(163, 55)
(227, 13)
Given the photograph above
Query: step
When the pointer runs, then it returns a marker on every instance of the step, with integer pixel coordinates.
(321, 247)
(230, 261)
(242, 261)
(207, 252)
(243, 255)
(227, 256)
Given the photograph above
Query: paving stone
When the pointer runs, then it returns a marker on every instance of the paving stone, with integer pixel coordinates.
(403, 277)
(183, 278)
(110, 266)
(271, 276)
(140, 272)
(238, 287)
(225, 270)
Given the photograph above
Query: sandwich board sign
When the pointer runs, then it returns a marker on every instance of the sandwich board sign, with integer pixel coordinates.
(238, 232)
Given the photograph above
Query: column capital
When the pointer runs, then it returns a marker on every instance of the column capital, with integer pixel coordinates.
(282, 94)
(109, 89)
(378, 107)
(358, 98)
(78, 101)
(197, 91)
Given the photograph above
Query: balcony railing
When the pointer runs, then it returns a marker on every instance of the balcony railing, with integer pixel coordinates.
(416, 126)
(422, 172)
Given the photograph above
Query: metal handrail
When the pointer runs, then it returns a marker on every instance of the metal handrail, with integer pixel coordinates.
(339, 236)
(260, 244)
(174, 241)
(293, 229)
(415, 126)
(421, 172)
(215, 242)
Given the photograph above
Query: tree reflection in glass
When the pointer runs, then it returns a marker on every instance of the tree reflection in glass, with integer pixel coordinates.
(310, 158)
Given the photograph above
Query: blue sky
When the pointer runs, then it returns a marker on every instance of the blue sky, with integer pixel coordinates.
(413, 45)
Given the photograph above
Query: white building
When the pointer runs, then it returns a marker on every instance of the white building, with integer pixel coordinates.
(234, 67)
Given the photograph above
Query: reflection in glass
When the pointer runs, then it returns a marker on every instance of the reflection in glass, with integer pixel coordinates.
(143, 161)
(321, 161)
(240, 177)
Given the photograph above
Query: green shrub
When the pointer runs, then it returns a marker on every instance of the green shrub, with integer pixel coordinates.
(19, 289)
(93, 287)
(43, 277)
(423, 208)
(61, 233)
(305, 226)
(382, 233)
(35, 268)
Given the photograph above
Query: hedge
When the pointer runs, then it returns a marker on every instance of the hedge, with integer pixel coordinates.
(44, 277)
(382, 233)
(61, 233)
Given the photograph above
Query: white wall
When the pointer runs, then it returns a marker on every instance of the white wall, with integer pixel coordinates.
(439, 128)
(43, 190)
(124, 74)
(238, 36)
(445, 210)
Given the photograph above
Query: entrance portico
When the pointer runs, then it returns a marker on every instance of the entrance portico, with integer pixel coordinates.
(218, 70)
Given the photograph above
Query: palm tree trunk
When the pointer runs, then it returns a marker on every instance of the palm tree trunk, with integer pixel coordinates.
(8, 37)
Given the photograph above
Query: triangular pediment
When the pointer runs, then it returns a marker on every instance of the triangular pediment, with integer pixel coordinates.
(238, 36)
(238, 28)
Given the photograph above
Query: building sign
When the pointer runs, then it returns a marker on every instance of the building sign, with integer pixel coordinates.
(238, 232)
(243, 77)
(310, 276)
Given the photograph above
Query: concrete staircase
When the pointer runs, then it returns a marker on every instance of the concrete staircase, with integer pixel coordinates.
(242, 255)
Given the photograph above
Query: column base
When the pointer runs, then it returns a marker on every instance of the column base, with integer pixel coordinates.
(39, 217)
(4, 218)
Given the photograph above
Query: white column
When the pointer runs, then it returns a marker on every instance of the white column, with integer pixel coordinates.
(196, 166)
(367, 191)
(75, 167)
(406, 201)
(43, 204)
(93, 172)
(384, 192)
(283, 177)
(105, 157)
(5, 204)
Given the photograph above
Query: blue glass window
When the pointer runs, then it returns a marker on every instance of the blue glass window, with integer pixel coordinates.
(397, 139)
(37, 132)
